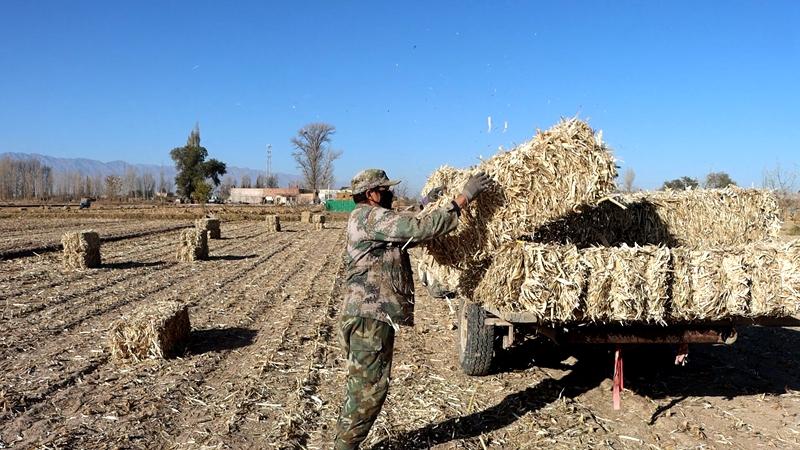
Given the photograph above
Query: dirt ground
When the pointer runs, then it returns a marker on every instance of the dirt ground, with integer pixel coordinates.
(263, 369)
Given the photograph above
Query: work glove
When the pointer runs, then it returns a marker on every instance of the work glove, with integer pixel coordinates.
(475, 185)
(432, 195)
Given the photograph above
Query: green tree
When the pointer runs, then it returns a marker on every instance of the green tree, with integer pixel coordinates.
(192, 167)
(718, 180)
(202, 190)
(680, 184)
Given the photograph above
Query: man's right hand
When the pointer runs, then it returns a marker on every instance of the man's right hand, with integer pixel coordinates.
(475, 185)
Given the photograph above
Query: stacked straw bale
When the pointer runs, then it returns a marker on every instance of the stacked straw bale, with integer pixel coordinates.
(694, 218)
(561, 283)
(319, 221)
(775, 278)
(273, 223)
(305, 217)
(193, 245)
(81, 250)
(626, 283)
(709, 284)
(536, 182)
(157, 330)
(211, 225)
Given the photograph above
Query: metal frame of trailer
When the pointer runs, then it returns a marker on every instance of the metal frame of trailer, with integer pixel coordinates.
(480, 327)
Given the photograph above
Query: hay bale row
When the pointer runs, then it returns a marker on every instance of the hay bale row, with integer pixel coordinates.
(561, 283)
(211, 225)
(81, 250)
(273, 223)
(693, 218)
(193, 245)
(305, 217)
(536, 182)
(157, 330)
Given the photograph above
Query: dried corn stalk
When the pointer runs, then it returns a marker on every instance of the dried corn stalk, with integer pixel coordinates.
(81, 250)
(211, 225)
(273, 223)
(155, 331)
(193, 245)
(705, 218)
(536, 182)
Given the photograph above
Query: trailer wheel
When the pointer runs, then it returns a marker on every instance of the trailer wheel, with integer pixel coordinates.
(475, 340)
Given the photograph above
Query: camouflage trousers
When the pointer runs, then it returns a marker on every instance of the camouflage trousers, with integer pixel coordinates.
(369, 346)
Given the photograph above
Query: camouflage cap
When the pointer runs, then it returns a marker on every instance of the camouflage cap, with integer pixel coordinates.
(370, 179)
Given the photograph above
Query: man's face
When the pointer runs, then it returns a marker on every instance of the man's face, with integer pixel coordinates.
(383, 196)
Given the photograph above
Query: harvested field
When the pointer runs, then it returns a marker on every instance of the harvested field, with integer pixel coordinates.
(263, 369)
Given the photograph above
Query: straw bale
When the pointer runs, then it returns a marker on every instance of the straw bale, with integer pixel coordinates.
(81, 250)
(273, 223)
(536, 182)
(709, 284)
(626, 283)
(211, 225)
(775, 278)
(695, 218)
(154, 331)
(305, 217)
(501, 284)
(193, 245)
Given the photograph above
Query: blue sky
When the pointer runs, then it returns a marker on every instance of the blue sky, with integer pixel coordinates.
(678, 88)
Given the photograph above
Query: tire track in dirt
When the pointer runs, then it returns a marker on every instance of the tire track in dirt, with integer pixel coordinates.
(252, 363)
(131, 290)
(237, 406)
(97, 286)
(237, 274)
(218, 367)
(165, 240)
(93, 298)
(54, 244)
(304, 408)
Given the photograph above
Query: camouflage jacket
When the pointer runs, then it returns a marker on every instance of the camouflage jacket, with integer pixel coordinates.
(379, 282)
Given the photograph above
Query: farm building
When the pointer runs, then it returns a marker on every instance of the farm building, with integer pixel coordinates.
(255, 196)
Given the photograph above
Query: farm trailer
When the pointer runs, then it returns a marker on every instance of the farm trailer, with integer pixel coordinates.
(482, 331)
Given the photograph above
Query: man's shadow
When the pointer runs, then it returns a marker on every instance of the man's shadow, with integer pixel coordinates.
(755, 364)
(584, 375)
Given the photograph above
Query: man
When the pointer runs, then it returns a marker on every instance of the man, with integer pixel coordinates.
(379, 292)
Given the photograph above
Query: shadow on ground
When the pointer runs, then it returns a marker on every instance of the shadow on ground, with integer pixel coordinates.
(219, 339)
(230, 257)
(131, 264)
(760, 362)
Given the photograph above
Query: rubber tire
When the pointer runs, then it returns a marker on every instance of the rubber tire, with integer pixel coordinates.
(475, 340)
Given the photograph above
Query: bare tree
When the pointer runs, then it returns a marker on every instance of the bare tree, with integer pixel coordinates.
(272, 181)
(314, 155)
(246, 183)
(627, 181)
(779, 179)
(113, 184)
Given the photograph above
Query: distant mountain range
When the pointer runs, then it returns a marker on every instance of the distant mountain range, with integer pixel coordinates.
(94, 168)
